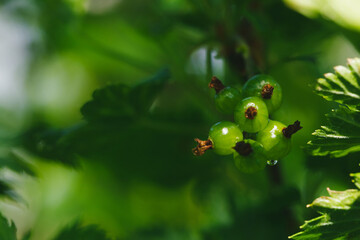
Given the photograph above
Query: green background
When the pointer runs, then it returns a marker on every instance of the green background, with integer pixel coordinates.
(126, 163)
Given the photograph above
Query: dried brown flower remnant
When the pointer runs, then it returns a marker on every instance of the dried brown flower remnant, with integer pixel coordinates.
(202, 146)
(250, 113)
(267, 91)
(216, 84)
(291, 129)
(243, 148)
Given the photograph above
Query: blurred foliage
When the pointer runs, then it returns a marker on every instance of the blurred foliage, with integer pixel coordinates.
(76, 232)
(7, 230)
(341, 12)
(121, 159)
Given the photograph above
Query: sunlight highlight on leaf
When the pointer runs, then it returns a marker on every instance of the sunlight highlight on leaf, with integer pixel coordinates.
(342, 12)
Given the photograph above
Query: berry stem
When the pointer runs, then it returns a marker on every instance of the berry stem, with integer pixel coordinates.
(250, 112)
(243, 148)
(216, 84)
(291, 129)
(202, 146)
(267, 91)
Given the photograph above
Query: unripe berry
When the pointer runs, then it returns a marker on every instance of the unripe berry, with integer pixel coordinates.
(223, 136)
(276, 139)
(226, 98)
(251, 114)
(249, 156)
(266, 88)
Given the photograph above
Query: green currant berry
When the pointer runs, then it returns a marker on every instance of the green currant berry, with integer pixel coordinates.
(251, 114)
(249, 156)
(265, 87)
(226, 98)
(276, 139)
(223, 136)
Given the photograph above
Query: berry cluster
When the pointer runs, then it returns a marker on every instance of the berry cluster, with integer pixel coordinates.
(253, 139)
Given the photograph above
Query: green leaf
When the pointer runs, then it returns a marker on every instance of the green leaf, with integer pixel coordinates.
(341, 136)
(109, 103)
(340, 211)
(120, 102)
(78, 232)
(343, 86)
(7, 230)
(113, 108)
(143, 95)
(120, 132)
(340, 216)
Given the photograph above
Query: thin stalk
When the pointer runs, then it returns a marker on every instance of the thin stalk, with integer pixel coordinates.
(209, 68)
